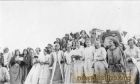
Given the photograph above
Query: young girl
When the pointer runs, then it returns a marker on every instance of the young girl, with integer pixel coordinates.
(68, 64)
(33, 76)
(88, 59)
(77, 63)
(57, 66)
(100, 64)
(4, 74)
(45, 62)
(16, 68)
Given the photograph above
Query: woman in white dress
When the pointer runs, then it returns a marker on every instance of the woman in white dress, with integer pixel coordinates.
(57, 66)
(45, 72)
(68, 67)
(33, 76)
(78, 68)
(132, 60)
(100, 64)
(88, 59)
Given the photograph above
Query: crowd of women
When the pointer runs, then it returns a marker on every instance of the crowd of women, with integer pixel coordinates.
(76, 58)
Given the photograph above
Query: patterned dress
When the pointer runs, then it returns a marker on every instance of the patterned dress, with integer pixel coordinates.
(133, 66)
(89, 58)
(78, 65)
(44, 77)
(68, 67)
(16, 70)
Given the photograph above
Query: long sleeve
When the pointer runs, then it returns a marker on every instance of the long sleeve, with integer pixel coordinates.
(7, 75)
(123, 59)
(51, 60)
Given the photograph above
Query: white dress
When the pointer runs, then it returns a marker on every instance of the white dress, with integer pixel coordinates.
(33, 76)
(4, 75)
(78, 68)
(100, 65)
(57, 68)
(44, 77)
(68, 67)
(132, 70)
(88, 60)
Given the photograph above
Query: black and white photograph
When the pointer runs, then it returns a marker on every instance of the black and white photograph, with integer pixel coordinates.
(69, 42)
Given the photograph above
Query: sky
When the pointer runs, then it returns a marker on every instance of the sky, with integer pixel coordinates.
(37, 23)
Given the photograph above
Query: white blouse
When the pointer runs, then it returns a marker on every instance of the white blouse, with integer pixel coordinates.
(89, 53)
(67, 56)
(101, 52)
(134, 53)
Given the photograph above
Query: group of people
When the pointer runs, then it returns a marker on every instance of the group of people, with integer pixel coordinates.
(76, 58)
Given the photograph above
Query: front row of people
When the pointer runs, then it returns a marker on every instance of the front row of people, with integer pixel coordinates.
(70, 66)
(79, 65)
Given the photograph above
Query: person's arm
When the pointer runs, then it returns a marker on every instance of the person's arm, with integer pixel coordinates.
(7, 75)
(51, 60)
(123, 59)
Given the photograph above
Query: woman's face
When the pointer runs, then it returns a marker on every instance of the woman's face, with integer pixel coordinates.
(77, 44)
(31, 52)
(98, 44)
(57, 39)
(88, 43)
(57, 46)
(131, 43)
(25, 52)
(68, 47)
(50, 49)
(17, 53)
(83, 34)
(45, 53)
(111, 43)
(37, 50)
(6, 50)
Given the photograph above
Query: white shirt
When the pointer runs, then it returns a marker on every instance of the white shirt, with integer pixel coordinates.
(100, 52)
(7, 57)
(89, 53)
(135, 52)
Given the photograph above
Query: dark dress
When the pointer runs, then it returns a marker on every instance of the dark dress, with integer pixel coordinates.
(116, 63)
(27, 65)
(16, 70)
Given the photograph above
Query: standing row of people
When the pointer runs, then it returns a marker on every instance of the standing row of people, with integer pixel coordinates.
(74, 60)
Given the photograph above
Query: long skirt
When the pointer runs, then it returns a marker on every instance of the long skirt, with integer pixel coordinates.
(77, 73)
(16, 74)
(44, 77)
(33, 76)
(100, 68)
(89, 71)
(132, 73)
(68, 71)
(25, 72)
(57, 78)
